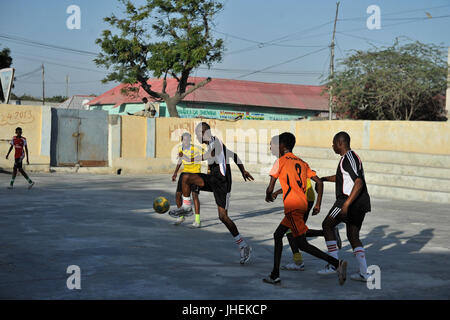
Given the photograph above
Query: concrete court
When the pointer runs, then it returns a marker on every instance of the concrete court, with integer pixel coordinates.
(106, 226)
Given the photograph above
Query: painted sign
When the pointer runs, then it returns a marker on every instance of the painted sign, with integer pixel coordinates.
(6, 81)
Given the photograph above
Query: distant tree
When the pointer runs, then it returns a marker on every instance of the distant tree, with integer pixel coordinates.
(28, 97)
(56, 99)
(5, 58)
(400, 82)
(161, 38)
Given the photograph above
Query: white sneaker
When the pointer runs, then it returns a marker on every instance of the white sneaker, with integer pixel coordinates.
(294, 267)
(30, 185)
(10, 187)
(245, 254)
(179, 221)
(359, 277)
(329, 269)
(196, 224)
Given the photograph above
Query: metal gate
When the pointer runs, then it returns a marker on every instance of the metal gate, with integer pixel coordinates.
(79, 137)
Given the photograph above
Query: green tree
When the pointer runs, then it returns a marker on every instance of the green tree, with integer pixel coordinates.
(56, 99)
(161, 38)
(400, 82)
(5, 58)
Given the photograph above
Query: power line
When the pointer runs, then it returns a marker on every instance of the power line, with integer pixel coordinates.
(363, 38)
(59, 64)
(276, 41)
(262, 44)
(33, 43)
(393, 13)
(281, 63)
(28, 73)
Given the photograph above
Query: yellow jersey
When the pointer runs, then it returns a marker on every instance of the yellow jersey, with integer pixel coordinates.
(310, 194)
(192, 152)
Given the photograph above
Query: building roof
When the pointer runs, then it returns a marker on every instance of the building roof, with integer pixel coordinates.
(226, 91)
(76, 102)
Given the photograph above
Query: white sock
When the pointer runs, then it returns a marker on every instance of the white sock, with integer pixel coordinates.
(240, 241)
(360, 255)
(333, 249)
(187, 204)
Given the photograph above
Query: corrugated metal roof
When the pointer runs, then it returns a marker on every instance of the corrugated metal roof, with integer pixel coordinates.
(75, 102)
(226, 91)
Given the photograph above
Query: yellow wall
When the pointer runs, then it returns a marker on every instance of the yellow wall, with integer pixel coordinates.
(405, 136)
(134, 137)
(410, 136)
(321, 133)
(29, 118)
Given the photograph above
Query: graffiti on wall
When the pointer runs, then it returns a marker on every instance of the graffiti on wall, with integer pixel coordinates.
(16, 117)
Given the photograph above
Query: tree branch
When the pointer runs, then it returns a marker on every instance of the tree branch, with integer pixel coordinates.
(175, 76)
(147, 88)
(195, 87)
(164, 83)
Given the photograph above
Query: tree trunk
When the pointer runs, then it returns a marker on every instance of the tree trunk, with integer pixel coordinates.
(171, 104)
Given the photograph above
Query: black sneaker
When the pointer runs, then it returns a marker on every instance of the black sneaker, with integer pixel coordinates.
(342, 271)
(269, 279)
(178, 212)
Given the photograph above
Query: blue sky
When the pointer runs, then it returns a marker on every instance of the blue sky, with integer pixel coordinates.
(305, 26)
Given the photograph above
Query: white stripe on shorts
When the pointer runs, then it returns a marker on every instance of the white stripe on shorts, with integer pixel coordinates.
(227, 204)
(335, 212)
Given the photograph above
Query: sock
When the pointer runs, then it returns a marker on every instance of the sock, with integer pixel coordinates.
(333, 249)
(298, 259)
(12, 181)
(187, 203)
(240, 241)
(197, 218)
(360, 255)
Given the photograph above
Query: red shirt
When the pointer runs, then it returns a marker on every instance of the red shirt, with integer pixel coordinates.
(19, 144)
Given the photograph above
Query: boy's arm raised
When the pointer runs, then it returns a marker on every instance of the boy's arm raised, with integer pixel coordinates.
(329, 178)
(245, 174)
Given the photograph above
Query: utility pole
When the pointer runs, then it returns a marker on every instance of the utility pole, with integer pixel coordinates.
(330, 102)
(43, 85)
(67, 86)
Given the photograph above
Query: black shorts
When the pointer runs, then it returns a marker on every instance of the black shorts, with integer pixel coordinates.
(219, 186)
(18, 163)
(194, 188)
(356, 212)
(310, 206)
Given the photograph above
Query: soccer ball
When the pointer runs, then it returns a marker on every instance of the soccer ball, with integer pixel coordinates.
(161, 205)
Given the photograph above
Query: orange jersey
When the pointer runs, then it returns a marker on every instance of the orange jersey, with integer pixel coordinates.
(293, 174)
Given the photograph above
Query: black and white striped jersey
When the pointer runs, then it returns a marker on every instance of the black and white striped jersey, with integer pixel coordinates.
(349, 169)
(220, 163)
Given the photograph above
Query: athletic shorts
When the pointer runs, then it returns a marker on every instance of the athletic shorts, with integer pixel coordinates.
(356, 212)
(18, 163)
(295, 221)
(310, 206)
(194, 188)
(219, 186)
